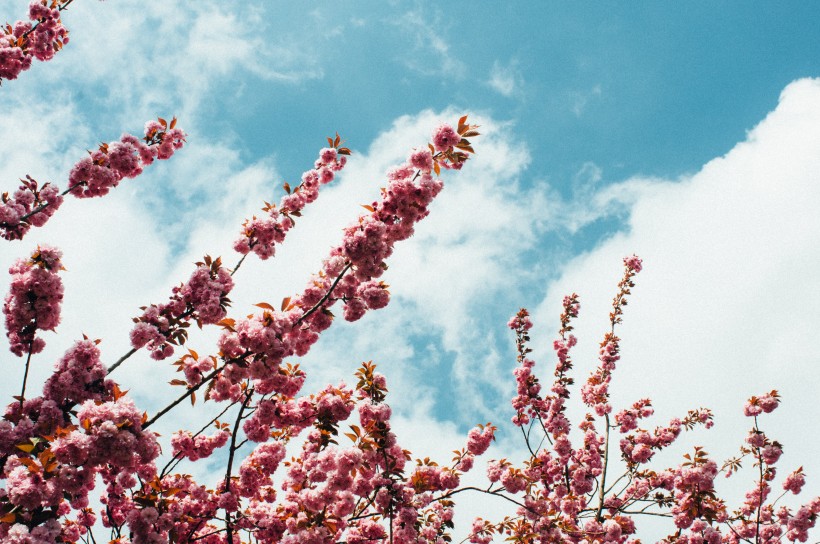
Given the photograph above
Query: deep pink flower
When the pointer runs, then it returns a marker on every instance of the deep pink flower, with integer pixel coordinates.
(445, 137)
(34, 299)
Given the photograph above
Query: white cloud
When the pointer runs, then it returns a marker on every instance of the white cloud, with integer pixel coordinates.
(506, 79)
(726, 306)
(143, 62)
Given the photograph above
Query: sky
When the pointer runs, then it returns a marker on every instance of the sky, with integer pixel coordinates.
(687, 133)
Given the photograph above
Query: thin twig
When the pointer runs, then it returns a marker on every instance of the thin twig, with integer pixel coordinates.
(602, 488)
(231, 451)
(175, 460)
(487, 491)
(184, 396)
(25, 374)
(235, 268)
(122, 359)
(325, 297)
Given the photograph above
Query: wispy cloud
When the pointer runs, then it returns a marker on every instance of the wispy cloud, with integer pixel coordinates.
(580, 99)
(507, 79)
(174, 55)
(431, 53)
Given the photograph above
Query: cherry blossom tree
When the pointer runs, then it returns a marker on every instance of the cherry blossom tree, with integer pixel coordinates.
(81, 462)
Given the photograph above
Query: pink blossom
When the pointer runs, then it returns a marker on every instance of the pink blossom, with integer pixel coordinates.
(794, 482)
(422, 160)
(98, 173)
(479, 438)
(79, 376)
(445, 137)
(34, 299)
(633, 263)
(203, 299)
(21, 42)
(261, 235)
(29, 206)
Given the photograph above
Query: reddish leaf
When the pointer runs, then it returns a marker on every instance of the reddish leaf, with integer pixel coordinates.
(26, 447)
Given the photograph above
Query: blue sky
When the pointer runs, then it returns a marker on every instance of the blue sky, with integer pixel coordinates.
(685, 132)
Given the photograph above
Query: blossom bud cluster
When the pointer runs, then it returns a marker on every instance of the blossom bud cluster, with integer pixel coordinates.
(34, 299)
(595, 392)
(261, 235)
(105, 167)
(24, 41)
(203, 299)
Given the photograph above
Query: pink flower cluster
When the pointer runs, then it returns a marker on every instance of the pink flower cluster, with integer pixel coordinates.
(564, 494)
(29, 206)
(764, 403)
(262, 341)
(445, 137)
(640, 447)
(479, 438)
(261, 235)
(595, 392)
(197, 447)
(32, 206)
(34, 299)
(528, 403)
(53, 447)
(627, 419)
(257, 469)
(633, 263)
(797, 524)
(24, 41)
(110, 434)
(78, 376)
(195, 367)
(105, 167)
(203, 299)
